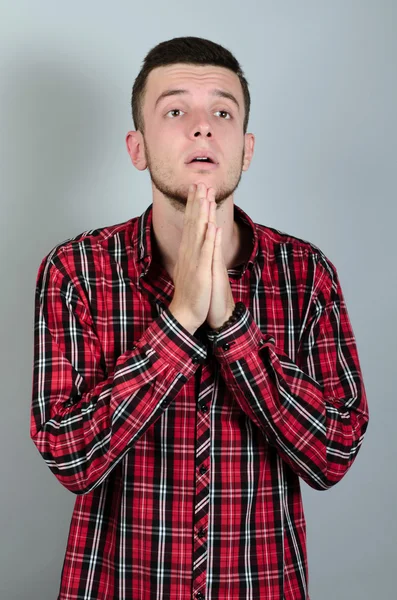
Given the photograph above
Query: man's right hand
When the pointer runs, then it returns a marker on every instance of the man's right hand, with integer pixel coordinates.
(192, 273)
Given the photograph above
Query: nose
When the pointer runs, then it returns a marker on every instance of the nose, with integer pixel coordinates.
(197, 133)
(201, 125)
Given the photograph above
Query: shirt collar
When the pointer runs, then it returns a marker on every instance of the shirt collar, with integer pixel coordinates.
(142, 242)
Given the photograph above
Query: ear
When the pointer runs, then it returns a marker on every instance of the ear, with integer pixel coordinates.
(136, 149)
(249, 143)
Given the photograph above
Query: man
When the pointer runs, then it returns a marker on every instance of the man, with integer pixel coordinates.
(191, 365)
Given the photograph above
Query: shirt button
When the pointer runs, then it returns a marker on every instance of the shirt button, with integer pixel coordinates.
(201, 533)
(226, 346)
(200, 596)
(68, 403)
(163, 403)
(196, 359)
(203, 470)
(204, 408)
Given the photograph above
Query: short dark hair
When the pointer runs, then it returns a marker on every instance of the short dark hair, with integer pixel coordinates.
(191, 50)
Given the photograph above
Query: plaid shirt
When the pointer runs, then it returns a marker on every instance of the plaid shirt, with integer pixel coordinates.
(185, 451)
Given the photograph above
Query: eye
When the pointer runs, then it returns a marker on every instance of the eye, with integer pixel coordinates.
(226, 112)
(173, 110)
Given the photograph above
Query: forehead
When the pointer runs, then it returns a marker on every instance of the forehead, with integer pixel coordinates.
(195, 78)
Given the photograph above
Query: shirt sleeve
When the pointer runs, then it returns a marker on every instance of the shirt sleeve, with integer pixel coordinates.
(313, 409)
(83, 419)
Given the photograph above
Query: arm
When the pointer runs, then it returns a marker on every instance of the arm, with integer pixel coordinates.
(314, 409)
(83, 420)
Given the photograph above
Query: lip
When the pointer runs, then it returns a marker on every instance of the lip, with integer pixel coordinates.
(201, 152)
(202, 166)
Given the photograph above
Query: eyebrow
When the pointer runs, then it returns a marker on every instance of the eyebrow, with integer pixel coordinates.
(214, 92)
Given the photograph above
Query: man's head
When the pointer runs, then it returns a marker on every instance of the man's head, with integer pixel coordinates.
(171, 125)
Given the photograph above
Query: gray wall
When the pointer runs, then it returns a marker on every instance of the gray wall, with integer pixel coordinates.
(322, 77)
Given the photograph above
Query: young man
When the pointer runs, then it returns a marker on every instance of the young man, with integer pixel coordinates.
(191, 365)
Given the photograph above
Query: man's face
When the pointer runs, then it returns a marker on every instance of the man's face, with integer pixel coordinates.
(179, 124)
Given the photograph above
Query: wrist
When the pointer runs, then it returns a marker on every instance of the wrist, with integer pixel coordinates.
(182, 319)
(233, 316)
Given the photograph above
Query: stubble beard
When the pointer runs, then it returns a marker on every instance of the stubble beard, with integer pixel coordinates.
(162, 179)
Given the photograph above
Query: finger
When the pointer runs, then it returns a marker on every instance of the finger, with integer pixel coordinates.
(194, 210)
(199, 201)
(212, 206)
(201, 217)
(190, 198)
(218, 256)
(208, 246)
(195, 218)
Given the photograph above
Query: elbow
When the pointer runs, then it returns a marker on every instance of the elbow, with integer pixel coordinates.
(337, 466)
(70, 475)
(78, 484)
(323, 480)
(319, 481)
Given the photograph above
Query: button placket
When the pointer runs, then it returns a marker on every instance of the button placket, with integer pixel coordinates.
(201, 509)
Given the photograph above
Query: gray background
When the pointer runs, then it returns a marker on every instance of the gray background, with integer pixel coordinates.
(322, 78)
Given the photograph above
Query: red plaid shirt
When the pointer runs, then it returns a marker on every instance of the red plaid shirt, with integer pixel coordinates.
(185, 451)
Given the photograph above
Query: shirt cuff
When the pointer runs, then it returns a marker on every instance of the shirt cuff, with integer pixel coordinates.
(173, 343)
(238, 338)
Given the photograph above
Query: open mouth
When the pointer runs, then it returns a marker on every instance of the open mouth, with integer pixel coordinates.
(206, 164)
